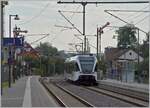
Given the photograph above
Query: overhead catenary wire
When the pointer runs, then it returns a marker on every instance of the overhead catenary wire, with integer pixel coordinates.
(124, 21)
(70, 22)
(72, 11)
(141, 20)
(128, 10)
(28, 35)
(36, 16)
(74, 27)
(134, 15)
(73, 14)
(105, 2)
(39, 39)
(64, 26)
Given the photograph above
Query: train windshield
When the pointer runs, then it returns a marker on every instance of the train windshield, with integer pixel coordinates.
(87, 64)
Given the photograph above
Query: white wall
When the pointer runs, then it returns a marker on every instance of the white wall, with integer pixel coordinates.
(131, 55)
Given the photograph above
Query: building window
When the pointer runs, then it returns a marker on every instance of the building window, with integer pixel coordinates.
(130, 53)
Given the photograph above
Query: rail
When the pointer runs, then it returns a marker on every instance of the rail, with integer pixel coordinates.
(122, 97)
(75, 96)
(127, 92)
(60, 102)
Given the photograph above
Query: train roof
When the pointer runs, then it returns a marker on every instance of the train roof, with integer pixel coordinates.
(75, 58)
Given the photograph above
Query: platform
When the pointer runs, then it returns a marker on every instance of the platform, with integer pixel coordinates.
(27, 92)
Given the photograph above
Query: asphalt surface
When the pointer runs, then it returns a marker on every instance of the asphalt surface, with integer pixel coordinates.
(13, 97)
(39, 96)
(27, 92)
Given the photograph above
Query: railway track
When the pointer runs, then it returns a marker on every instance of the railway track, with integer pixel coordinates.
(144, 96)
(97, 99)
(127, 98)
(76, 94)
(64, 97)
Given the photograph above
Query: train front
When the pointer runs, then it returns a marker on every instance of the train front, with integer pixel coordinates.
(88, 66)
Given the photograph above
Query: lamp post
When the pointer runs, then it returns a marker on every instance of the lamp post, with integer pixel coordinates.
(16, 33)
(15, 18)
(2, 4)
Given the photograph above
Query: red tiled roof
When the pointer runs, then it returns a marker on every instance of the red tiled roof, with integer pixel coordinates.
(29, 51)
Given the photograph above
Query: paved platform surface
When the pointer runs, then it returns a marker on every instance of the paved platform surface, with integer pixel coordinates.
(133, 86)
(27, 92)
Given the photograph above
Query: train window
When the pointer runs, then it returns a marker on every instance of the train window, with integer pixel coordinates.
(96, 67)
(72, 67)
(76, 67)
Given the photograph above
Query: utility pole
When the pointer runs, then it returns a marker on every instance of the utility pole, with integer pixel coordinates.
(16, 32)
(99, 32)
(138, 47)
(85, 3)
(2, 4)
(97, 43)
(10, 49)
(75, 28)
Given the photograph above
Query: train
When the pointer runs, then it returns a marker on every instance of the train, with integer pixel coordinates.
(81, 69)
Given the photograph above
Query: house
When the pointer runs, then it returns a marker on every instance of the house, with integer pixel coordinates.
(121, 63)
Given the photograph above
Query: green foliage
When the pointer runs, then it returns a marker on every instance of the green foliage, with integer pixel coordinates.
(102, 65)
(5, 84)
(126, 36)
(51, 63)
(143, 68)
(46, 49)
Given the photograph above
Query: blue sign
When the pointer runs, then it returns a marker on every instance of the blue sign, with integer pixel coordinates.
(18, 42)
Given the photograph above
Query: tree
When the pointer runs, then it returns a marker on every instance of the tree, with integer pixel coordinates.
(46, 49)
(126, 36)
(102, 66)
(52, 61)
(143, 67)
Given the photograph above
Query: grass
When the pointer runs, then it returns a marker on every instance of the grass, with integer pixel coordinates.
(5, 84)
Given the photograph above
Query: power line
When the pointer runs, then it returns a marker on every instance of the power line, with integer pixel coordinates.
(142, 20)
(36, 34)
(138, 15)
(127, 10)
(70, 22)
(64, 27)
(75, 28)
(102, 2)
(85, 3)
(36, 16)
(39, 39)
(124, 21)
(134, 15)
(72, 11)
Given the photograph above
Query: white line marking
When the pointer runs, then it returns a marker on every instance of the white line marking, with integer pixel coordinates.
(27, 96)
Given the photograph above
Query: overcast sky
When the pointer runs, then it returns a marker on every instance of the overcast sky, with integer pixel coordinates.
(41, 17)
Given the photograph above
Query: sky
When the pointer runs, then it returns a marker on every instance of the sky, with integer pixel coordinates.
(42, 17)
